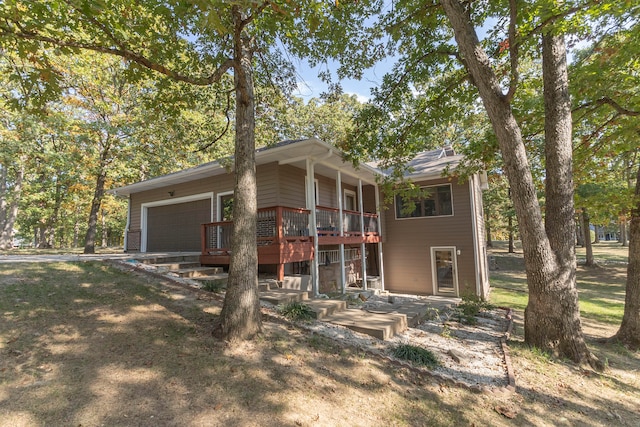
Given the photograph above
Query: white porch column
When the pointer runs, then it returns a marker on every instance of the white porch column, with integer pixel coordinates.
(343, 276)
(313, 229)
(380, 255)
(363, 247)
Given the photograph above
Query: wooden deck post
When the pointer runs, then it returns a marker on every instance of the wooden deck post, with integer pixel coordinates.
(280, 241)
(280, 272)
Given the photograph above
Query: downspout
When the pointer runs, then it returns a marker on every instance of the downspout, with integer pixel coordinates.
(126, 227)
(343, 278)
(380, 253)
(474, 232)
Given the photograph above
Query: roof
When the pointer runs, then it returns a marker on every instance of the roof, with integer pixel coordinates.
(327, 159)
(428, 164)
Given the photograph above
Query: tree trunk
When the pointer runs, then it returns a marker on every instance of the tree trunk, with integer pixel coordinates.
(587, 238)
(9, 211)
(597, 238)
(240, 317)
(552, 317)
(623, 231)
(629, 332)
(487, 225)
(98, 194)
(104, 229)
(579, 235)
(511, 248)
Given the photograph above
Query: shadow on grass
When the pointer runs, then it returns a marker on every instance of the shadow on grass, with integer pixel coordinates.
(82, 343)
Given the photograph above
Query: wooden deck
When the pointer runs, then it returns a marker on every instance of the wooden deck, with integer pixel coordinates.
(283, 234)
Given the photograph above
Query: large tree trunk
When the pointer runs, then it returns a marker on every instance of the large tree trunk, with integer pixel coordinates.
(587, 238)
(558, 296)
(629, 332)
(240, 317)
(552, 317)
(9, 211)
(597, 238)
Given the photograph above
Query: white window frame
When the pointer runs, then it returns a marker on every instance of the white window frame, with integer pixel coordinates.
(350, 193)
(434, 272)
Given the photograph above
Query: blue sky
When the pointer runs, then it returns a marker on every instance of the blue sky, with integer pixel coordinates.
(310, 86)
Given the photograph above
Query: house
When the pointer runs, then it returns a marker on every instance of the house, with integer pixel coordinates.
(320, 218)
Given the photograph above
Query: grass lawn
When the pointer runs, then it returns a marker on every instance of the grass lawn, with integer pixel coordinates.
(87, 344)
(601, 288)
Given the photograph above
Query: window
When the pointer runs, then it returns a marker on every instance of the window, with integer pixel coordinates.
(225, 207)
(437, 203)
(350, 201)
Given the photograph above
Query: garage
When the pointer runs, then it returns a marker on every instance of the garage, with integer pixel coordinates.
(176, 227)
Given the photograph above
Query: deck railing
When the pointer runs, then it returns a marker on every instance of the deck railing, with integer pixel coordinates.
(274, 225)
(328, 222)
(134, 239)
(279, 224)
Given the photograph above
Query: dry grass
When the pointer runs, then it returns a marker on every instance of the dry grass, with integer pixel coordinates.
(555, 392)
(85, 344)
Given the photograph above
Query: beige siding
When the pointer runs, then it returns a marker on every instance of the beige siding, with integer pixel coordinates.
(268, 182)
(369, 198)
(408, 243)
(292, 186)
(327, 190)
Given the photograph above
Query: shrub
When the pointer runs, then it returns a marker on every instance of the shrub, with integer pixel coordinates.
(215, 286)
(297, 311)
(471, 306)
(417, 355)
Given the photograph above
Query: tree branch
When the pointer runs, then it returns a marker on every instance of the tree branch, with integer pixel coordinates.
(226, 128)
(513, 50)
(608, 101)
(125, 53)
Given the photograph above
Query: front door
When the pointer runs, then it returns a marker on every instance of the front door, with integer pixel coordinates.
(445, 271)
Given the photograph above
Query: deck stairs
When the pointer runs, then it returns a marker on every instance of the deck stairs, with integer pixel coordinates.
(382, 324)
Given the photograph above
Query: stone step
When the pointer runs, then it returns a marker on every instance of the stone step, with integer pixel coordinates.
(194, 272)
(174, 266)
(379, 325)
(267, 285)
(163, 259)
(326, 307)
(298, 282)
(283, 296)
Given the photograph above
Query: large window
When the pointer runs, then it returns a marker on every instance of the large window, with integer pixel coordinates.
(436, 203)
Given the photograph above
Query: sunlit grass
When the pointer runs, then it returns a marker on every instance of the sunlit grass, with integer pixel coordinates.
(601, 289)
